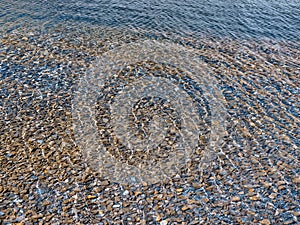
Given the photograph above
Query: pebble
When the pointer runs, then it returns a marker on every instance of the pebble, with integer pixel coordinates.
(265, 222)
(296, 180)
(255, 198)
(185, 207)
(158, 218)
(206, 200)
(91, 196)
(273, 195)
(236, 199)
(164, 222)
(25, 38)
(289, 222)
(179, 190)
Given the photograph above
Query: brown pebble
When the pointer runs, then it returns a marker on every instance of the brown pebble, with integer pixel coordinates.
(289, 222)
(91, 196)
(296, 213)
(281, 182)
(25, 38)
(137, 193)
(37, 216)
(273, 195)
(143, 222)
(296, 180)
(266, 184)
(265, 222)
(45, 203)
(192, 201)
(185, 207)
(65, 208)
(235, 199)
(104, 183)
(255, 198)
(158, 218)
(205, 200)
(197, 185)
(179, 190)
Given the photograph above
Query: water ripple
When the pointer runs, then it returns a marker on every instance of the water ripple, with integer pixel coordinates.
(242, 19)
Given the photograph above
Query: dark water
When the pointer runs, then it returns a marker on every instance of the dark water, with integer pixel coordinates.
(243, 19)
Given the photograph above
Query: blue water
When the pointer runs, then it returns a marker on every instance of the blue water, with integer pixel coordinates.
(278, 20)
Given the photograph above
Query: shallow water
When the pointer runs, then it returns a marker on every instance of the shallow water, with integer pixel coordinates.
(149, 112)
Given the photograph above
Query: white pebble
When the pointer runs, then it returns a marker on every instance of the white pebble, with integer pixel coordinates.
(164, 222)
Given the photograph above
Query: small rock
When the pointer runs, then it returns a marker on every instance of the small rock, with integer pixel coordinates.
(192, 201)
(296, 213)
(265, 222)
(91, 196)
(179, 190)
(266, 184)
(272, 196)
(196, 185)
(104, 183)
(296, 180)
(289, 222)
(37, 216)
(25, 38)
(185, 207)
(236, 199)
(45, 203)
(255, 198)
(251, 190)
(164, 222)
(205, 200)
(137, 193)
(40, 141)
(158, 218)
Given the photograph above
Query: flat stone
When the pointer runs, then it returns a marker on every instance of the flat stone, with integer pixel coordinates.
(265, 222)
(235, 199)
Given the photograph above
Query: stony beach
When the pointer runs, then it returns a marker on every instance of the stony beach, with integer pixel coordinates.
(253, 178)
